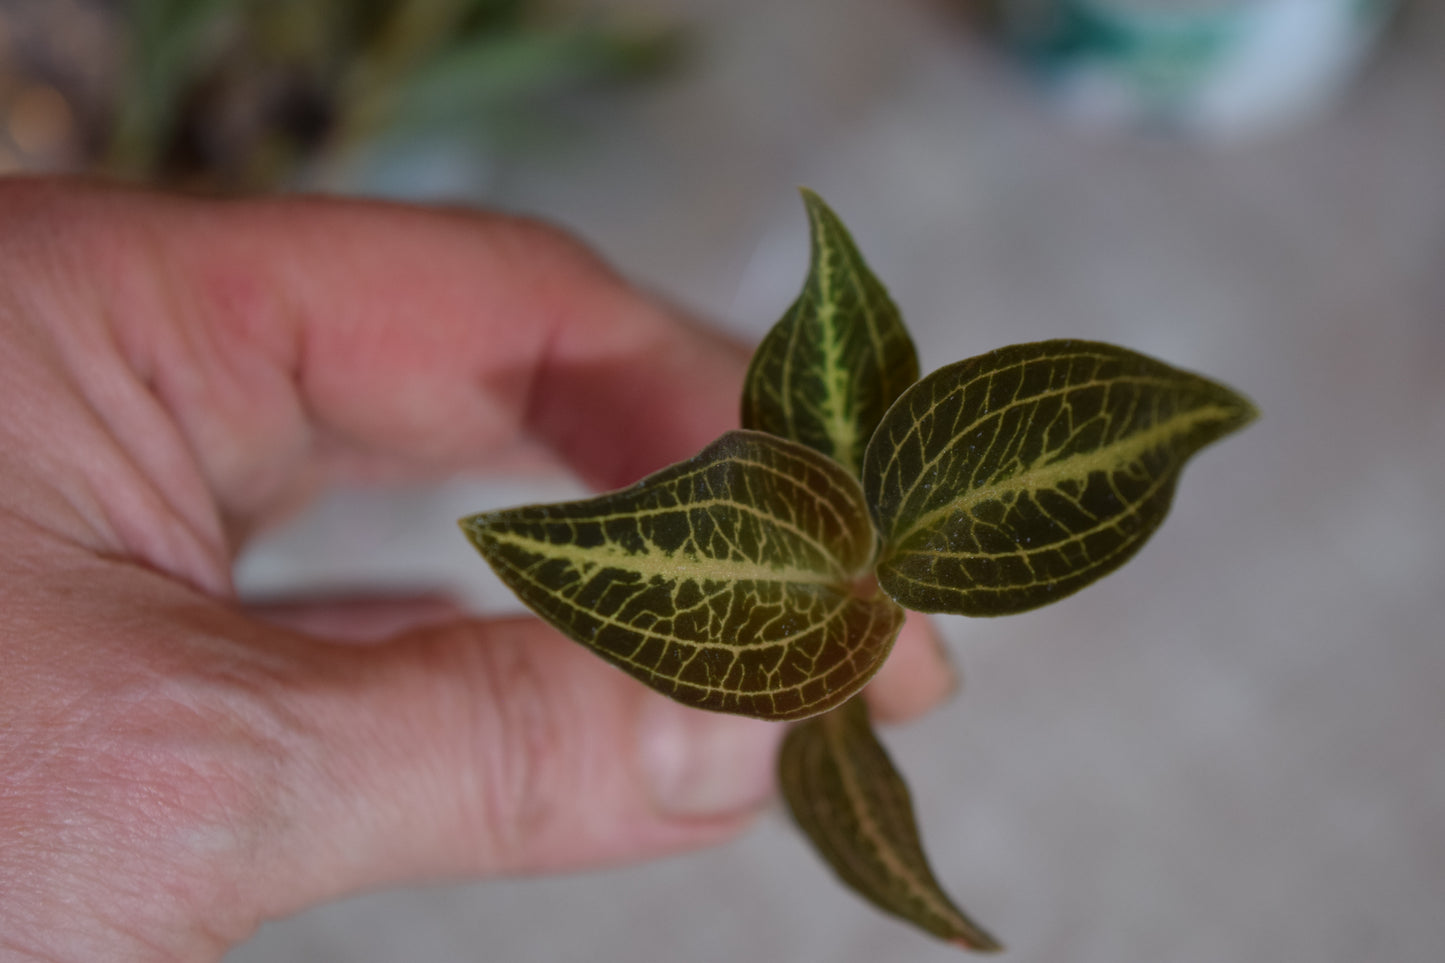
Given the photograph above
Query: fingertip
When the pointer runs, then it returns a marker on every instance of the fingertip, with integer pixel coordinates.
(623, 398)
(700, 764)
(919, 675)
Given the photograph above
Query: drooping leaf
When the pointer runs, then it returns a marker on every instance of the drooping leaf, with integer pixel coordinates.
(846, 795)
(828, 370)
(737, 581)
(1010, 480)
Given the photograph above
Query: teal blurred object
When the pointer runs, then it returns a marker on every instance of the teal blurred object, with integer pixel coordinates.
(1214, 68)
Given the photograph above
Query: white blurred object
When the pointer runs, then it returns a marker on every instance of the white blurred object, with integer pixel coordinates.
(1221, 69)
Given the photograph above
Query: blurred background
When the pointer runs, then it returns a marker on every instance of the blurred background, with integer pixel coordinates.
(1234, 748)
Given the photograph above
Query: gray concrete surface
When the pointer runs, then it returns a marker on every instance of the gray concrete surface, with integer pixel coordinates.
(1233, 749)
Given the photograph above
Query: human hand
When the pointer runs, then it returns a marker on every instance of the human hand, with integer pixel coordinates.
(176, 374)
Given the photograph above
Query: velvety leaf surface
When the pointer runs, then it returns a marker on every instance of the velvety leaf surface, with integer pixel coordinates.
(737, 581)
(828, 370)
(846, 795)
(1010, 480)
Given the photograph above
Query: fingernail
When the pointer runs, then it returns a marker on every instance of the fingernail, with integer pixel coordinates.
(701, 764)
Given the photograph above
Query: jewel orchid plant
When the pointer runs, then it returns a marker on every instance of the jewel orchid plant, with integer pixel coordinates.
(768, 575)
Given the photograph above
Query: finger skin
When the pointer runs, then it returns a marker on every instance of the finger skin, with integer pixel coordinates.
(242, 354)
(295, 341)
(176, 772)
(360, 619)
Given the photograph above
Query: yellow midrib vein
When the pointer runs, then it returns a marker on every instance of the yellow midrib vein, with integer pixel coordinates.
(997, 414)
(668, 565)
(838, 421)
(823, 625)
(1046, 477)
(909, 876)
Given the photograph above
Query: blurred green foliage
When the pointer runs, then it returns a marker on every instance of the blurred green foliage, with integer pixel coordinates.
(245, 95)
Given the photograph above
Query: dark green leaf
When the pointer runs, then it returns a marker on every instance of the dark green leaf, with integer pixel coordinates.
(1010, 480)
(737, 581)
(827, 371)
(846, 795)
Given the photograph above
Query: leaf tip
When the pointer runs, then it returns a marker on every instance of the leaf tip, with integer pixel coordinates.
(979, 943)
(473, 527)
(1247, 411)
(820, 215)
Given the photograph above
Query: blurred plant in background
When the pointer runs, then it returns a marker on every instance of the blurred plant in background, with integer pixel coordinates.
(254, 95)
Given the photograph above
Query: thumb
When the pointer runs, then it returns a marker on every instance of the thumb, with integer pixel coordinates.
(479, 748)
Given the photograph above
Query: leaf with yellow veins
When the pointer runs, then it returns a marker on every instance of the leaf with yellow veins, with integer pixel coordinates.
(828, 370)
(1013, 479)
(738, 581)
(846, 795)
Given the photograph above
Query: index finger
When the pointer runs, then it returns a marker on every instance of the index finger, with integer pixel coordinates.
(293, 341)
